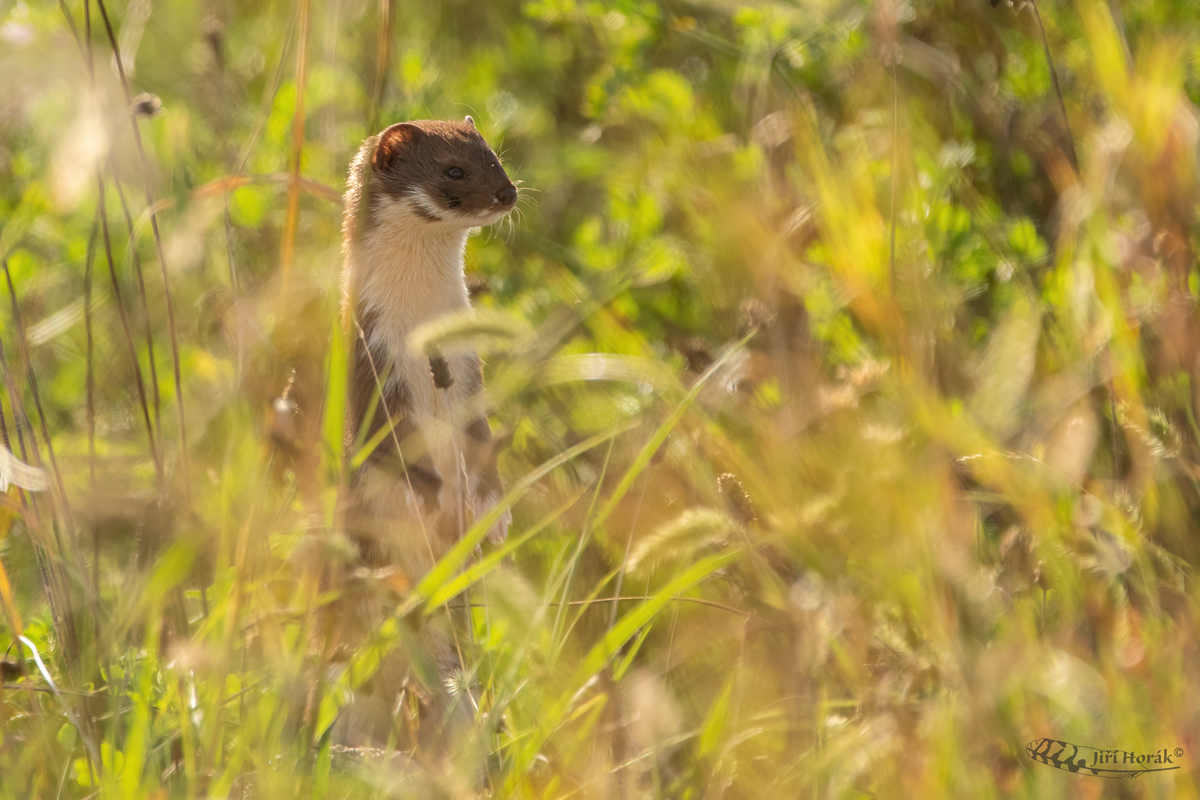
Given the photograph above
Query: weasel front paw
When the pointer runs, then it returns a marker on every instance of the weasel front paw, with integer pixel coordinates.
(499, 530)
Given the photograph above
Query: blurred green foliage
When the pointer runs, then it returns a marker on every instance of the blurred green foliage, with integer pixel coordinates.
(811, 340)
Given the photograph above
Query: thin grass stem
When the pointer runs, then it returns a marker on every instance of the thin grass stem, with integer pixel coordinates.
(1062, 105)
(162, 261)
(60, 497)
(136, 260)
(292, 214)
(139, 381)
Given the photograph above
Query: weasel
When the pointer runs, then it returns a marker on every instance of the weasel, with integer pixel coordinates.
(413, 194)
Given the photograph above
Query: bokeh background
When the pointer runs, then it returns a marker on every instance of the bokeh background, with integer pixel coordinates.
(852, 345)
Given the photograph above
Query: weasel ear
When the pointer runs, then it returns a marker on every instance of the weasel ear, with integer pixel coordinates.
(394, 142)
(469, 121)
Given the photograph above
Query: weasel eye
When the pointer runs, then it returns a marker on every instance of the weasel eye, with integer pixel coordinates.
(454, 172)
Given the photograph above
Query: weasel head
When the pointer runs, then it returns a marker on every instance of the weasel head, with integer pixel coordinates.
(443, 173)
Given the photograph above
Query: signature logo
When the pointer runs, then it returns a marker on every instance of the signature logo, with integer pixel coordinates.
(1099, 762)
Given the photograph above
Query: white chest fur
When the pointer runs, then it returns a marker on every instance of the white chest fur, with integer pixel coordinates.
(409, 271)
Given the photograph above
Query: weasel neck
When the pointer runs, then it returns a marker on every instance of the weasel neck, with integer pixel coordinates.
(406, 271)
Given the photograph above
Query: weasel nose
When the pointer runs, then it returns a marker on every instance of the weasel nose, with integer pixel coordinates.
(507, 195)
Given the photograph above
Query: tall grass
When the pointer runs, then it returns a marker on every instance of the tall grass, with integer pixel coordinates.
(844, 353)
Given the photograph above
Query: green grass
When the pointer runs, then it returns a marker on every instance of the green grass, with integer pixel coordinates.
(873, 409)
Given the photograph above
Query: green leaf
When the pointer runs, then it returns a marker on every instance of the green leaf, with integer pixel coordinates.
(441, 572)
(333, 426)
(641, 615)
(660, 435)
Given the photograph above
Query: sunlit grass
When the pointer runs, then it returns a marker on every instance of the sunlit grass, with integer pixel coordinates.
(850, 426)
